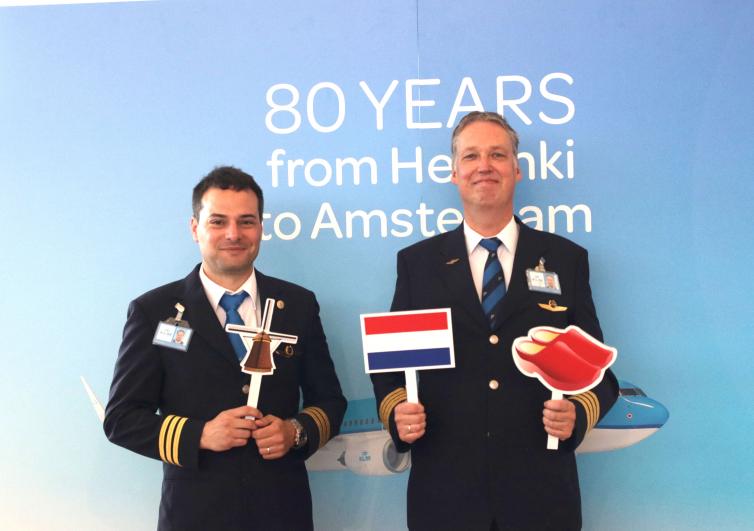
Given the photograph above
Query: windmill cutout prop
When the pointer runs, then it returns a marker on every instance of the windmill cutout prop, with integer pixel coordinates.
(565, 361)
(260, 343)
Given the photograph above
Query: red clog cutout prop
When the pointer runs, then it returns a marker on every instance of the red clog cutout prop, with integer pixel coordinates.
(565, 361)
(557, 364)
(579, 341)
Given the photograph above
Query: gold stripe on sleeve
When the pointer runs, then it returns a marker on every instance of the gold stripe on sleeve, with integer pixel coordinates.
(596, 402)
(591, 414)
(168, 441)
(388, 403)
(591, 406)
(170, 437)
(177, 441)
(322, 421)
(161, 438)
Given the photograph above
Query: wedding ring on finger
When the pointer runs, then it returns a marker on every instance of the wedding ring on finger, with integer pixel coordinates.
(410, 429)
(268, 450)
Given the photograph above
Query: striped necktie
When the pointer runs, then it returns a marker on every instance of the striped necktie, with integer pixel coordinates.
(493, 281)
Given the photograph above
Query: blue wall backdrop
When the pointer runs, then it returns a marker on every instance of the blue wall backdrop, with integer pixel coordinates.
(636, 122)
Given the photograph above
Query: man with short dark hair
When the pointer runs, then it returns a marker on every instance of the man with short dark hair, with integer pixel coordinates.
(478, 437)
(227, 466)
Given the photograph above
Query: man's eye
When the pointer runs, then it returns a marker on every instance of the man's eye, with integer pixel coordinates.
(469, 156)
(249, 222)
(215, 222)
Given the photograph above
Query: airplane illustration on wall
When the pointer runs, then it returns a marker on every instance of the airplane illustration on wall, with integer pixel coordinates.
(364, 447)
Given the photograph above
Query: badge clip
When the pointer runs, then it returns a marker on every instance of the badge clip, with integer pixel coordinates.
(178, 319)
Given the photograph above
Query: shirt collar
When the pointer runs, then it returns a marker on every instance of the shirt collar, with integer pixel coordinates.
(215, 291)
(508, 235)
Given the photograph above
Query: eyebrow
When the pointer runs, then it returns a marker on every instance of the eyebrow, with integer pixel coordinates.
(476, 148)
(242, 216)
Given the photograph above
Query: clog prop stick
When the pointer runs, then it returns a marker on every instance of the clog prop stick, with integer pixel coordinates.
(566, 361)
(408, 341)
(260, 343)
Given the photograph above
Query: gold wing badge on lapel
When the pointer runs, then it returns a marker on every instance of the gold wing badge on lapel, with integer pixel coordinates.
(552, 306)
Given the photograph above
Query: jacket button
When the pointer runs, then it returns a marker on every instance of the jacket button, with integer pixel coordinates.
(245, 389)
(494, 384)
(494, 339)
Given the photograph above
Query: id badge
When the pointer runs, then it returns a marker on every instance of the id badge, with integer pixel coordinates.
(539, 279)
(173, 332)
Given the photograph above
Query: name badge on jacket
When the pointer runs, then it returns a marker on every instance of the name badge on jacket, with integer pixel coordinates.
(539, 279)
(174, 332)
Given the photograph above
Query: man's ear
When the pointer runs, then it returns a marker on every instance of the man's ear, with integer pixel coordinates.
(193, 224)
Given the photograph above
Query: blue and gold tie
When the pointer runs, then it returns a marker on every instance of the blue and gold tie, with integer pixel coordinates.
(231, 303)
(493, 282)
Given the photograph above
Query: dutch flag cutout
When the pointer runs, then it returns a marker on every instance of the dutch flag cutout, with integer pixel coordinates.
(408, 341)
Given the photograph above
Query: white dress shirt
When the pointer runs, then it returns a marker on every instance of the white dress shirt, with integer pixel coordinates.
(249, 309)
(478, 254)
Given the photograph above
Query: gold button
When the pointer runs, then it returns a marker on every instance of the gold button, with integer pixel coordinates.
(494, 339)
(280, 305)
(245, 389)
(494, 384)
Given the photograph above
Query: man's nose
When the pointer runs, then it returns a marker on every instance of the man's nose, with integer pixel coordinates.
(231, 231)
(484, 163)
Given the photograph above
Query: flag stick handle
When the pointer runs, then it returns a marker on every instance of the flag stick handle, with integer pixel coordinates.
(412, 389)
(552, 441)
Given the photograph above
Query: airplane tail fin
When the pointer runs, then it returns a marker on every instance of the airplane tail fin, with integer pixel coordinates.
(96, 404)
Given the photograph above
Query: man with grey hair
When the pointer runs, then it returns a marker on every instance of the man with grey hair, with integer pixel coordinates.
(478, 437)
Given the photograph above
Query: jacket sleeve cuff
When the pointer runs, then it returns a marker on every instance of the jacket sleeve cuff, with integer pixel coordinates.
(587, 416)
(178, 441)
(318, 428)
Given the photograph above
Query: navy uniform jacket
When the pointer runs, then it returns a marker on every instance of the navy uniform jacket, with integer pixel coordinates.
(484, 454)
(160, 399)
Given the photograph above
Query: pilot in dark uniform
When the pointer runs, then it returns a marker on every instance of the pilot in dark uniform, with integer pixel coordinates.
(478, 436)
(224, 470)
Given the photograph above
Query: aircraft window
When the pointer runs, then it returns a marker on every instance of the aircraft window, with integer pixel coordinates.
(632, 391)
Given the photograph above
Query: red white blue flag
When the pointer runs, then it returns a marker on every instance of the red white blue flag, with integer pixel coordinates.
(397, 341)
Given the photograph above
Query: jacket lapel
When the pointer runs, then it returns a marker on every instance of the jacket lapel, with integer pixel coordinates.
(269, 289)
(528, 251)
(457, 274)
(203, 320)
